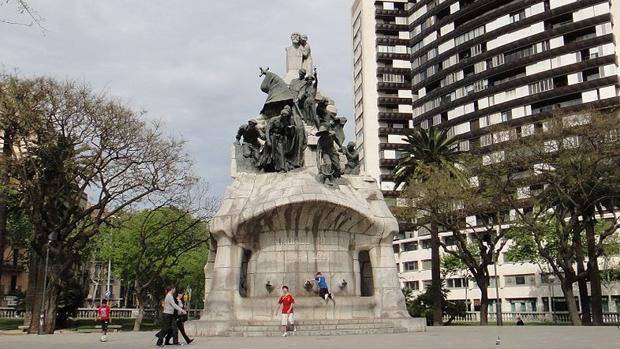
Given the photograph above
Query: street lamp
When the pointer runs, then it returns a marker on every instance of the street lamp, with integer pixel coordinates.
(50, 238)
(550, 280)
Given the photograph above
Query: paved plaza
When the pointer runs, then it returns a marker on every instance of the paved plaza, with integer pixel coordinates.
(546, 337)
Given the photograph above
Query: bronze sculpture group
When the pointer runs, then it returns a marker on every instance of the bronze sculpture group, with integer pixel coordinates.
(289, 110)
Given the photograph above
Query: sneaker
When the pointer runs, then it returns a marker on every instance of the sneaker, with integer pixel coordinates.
(285, 334)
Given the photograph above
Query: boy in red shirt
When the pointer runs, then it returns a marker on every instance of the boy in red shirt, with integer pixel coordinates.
(103, 313)
(288, 318)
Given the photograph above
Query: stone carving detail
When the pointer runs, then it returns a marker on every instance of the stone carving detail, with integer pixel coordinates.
(353, 159)
(251, 135)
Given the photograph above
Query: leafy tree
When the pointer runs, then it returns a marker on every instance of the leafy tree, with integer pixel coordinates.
(157, 246)
(83, 158)
(424, 149)
(451, 202)
(546, 238)
(422, 306)
(573, 160)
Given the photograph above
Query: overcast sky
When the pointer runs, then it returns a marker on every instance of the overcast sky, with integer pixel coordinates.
(193, 65)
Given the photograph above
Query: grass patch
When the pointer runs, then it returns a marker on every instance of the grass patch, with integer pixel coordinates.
(10, 324)
(126, 323)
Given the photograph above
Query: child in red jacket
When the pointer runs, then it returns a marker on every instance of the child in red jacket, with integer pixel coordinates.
(103, 313)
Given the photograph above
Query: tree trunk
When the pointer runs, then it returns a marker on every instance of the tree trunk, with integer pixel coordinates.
(583, 284)
(33, 293)
(573, 312)
(594, 274)
(436, 277)
(4, 182)
(140, 317)
(35, 296)
(484, 300)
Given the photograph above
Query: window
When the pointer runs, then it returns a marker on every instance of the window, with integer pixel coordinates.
(426, 264)
(469, 35)
(396, 248)
(386, 49)
(486, 140)
(426, 244)
(410, 246)
(517, 16)
(456, 283)
(506, 115)
(464, 146)
(436, 120)
(541, 86)
(410, 266)
(519, 280)
(412, 285)
(393, 78)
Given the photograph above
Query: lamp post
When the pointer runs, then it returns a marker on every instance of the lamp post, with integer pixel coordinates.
(50, 238)
(550, 280)
(498, 303)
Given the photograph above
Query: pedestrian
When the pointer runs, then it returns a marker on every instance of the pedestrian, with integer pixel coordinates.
(520, 321)
(180, 320)
(323, 289)
(103, 313)
(288, 319)
(167, 319)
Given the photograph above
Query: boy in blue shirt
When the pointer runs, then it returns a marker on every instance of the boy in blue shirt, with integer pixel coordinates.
(323, 289)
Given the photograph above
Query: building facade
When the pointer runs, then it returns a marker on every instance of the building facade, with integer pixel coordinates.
(467, 65)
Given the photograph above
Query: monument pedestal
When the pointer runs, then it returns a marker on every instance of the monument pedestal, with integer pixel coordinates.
(276, 229)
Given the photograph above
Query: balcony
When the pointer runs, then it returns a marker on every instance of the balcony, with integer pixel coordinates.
(388, 116)
(393, 86)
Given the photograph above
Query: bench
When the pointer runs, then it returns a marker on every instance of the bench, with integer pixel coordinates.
(110, 327)
(23, 328)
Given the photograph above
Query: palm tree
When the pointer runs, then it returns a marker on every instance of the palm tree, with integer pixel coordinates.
(432, 147)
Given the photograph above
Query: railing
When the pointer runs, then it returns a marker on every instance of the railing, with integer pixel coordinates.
(556, 317)
(91, 313)
(6, 313)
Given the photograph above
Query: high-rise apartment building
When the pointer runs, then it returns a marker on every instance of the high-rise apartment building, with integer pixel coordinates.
(466, 65)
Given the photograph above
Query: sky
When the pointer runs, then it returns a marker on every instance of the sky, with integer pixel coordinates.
(191, 64)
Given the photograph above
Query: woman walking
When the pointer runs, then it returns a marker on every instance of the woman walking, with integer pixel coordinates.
(167, 320)
(180, 320)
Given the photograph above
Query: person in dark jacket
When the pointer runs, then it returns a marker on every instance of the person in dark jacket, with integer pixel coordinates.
(180, 320)
(167, 320)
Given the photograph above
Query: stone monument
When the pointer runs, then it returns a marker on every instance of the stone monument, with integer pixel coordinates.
(284, 218)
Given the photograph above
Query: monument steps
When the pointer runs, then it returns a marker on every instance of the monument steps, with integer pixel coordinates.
(315, 328)
(328, 332)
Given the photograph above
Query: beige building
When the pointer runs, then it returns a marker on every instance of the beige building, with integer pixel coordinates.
(466, 65)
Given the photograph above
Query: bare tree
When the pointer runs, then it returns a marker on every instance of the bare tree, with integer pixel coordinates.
(26, 14)
(84, 159)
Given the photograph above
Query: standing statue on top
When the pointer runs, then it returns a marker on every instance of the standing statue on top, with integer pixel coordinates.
(306, 53)
(307, 100)
(328, 159)
(298, 55)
